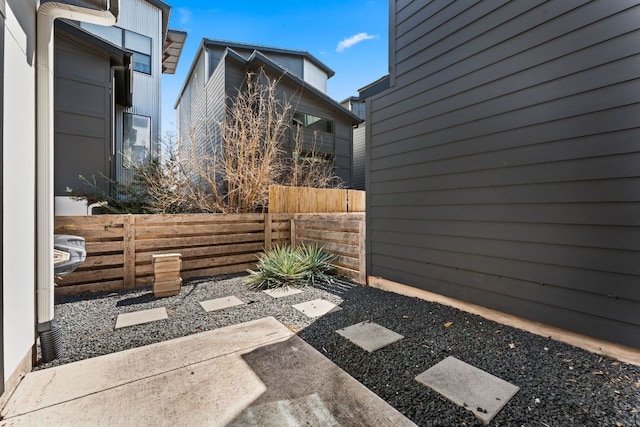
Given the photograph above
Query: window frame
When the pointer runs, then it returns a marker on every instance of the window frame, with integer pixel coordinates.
(306, 124)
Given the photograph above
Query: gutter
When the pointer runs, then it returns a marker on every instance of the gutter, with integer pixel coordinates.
(106, 13)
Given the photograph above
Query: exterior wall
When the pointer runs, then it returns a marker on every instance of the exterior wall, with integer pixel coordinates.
(295, 64)
(143, 18)
(201, 106)
(18, 192)
(191, 111)
(359, 138)
(503, 161)
(338, 144)
(314, 76)
(82, 123)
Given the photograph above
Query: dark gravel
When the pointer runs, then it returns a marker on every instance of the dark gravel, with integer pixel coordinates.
(560, 385)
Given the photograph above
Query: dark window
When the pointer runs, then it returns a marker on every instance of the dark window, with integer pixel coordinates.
(135, 43)
(312, 122)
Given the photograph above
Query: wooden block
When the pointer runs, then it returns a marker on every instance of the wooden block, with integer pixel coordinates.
(158, 277)
(165, 267)
(165, 288)
(165, 258)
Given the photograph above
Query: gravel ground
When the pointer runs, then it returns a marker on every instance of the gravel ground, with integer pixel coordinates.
(560, 385)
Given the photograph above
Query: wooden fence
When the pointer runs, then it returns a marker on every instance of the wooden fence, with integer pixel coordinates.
(120, 247)
(314, 200)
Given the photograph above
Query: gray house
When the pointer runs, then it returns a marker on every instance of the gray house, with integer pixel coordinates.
(357, 104)
(219, 69)
(97, 134)
(503, 161)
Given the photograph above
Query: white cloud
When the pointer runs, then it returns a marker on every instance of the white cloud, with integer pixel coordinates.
(184, 15)
(353, 40)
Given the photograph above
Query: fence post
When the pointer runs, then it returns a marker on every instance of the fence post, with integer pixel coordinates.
(362, 274)
(267, 231)
(293, 233)
(129, 278)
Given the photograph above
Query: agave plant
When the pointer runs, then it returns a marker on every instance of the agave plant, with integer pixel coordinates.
(283, 266)
(320, 267)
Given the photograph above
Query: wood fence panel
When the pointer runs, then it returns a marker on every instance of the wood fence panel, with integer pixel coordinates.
(344, 237)
(356, 200)
(103, 269)
(284, 199)
(120, 247)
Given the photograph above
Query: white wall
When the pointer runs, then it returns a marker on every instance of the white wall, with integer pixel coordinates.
(315, 76)
(19, 183)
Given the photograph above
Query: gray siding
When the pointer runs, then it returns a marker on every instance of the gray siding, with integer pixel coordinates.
(293, 63)
(359, 137)
(503, 161)
(201, 106)
(337, 144)
(82, 139)
(191, 106)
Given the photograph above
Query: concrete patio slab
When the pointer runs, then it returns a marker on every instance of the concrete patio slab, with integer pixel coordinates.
(472, 388)
(369, 336)
(221, 303)
(316, 308)
(139, 317)
(253, 374)
(282, 292)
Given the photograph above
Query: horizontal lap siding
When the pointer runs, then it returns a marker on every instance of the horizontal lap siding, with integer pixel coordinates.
(504, 163)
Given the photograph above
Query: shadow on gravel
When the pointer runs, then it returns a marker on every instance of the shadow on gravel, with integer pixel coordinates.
(559, 384)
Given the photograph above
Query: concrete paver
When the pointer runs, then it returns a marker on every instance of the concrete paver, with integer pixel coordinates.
(316, 308)
(369, 336)
(253, 374)
(282, 292)
(221, 303)
(139, 317)
(465, 385)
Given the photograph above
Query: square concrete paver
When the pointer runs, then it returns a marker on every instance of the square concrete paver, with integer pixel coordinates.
(316, 308)
(140, 317)
(220, 303)
(282, 292)
(468, 386)
(370, 336)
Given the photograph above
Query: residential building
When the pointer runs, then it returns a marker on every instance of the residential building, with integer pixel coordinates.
(358, 105)
(219, 70)
(503, 160)
(100, 136)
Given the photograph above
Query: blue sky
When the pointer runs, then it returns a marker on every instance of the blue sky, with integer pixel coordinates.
(350, 37)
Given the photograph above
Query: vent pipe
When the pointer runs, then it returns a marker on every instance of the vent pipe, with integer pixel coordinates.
(100, 12)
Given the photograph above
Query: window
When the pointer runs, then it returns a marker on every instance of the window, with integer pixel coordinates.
(311, 122)
(136, 141)
(140, 46)
(136, 43)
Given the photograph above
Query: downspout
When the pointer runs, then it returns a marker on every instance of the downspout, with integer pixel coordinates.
(48, 12)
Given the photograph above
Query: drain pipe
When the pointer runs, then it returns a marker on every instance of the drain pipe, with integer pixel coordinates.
(105, 13)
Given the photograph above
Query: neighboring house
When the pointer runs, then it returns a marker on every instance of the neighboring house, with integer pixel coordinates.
(99, 135)
(358, 105)
(219, 69)
(504, 159)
